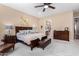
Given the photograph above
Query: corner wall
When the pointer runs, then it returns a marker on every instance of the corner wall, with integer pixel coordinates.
(62, 20)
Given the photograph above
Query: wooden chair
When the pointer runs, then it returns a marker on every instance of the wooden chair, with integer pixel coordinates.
(5, 48)
(9, 42)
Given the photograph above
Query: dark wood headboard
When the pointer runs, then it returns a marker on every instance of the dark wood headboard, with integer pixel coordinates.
(17, 28)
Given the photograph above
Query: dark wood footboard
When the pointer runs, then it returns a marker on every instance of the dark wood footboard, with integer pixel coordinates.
(34, 43)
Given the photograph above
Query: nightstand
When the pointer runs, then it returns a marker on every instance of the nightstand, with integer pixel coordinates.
(9, 39)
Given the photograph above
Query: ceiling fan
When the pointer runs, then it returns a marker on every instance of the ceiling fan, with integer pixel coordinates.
(45, 6)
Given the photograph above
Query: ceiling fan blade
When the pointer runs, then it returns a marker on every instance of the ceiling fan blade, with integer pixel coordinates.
(43, 9)
(39, 6)
(47, 3)
(51, 7)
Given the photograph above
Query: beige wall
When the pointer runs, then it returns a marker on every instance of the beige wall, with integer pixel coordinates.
(58, 22)
(11, 16)
(62, 20)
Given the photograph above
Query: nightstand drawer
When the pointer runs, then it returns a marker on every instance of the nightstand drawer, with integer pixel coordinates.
(9, 39)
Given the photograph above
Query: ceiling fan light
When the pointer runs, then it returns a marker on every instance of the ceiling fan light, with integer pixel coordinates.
(46, 6)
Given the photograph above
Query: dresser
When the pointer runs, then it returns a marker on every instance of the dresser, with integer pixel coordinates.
(61, 35)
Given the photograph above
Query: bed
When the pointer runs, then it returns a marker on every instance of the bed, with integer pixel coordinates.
(26, 37)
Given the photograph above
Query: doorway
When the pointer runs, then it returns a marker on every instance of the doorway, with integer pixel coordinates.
(76, 28)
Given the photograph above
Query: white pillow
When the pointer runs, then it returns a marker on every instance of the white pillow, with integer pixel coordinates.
(23, 31)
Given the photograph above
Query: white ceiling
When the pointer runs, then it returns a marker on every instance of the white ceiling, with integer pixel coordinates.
(29, 8)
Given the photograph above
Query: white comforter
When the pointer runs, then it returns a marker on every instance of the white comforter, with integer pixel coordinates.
(28, 37)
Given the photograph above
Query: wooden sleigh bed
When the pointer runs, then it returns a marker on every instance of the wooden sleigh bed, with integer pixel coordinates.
(34, 43)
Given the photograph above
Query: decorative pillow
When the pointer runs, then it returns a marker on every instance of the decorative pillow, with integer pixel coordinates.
(27, 31)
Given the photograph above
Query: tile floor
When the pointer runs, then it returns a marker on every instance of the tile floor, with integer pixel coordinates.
(56, 48)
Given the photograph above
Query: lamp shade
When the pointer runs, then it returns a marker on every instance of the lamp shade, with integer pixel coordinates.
(8, 26)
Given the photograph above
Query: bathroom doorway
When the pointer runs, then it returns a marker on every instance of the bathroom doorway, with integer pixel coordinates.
(76, 28)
